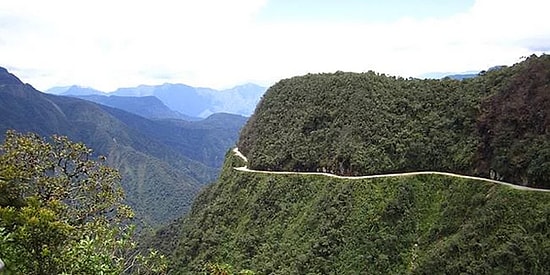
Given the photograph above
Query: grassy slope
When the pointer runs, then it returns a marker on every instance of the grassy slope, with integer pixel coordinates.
(318, 225)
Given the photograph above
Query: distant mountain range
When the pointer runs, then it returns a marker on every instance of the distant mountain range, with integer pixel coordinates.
(164, 163)
(457, 76)
(462, 75)
(145, 106)
(186, 100)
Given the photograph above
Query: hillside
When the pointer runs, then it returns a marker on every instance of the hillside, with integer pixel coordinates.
(364, 124)
(313, 224)
(205, 141)
(146, 106)
(496, 125)
(162, 172)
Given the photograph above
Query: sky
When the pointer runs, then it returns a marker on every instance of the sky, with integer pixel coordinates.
(107, 44)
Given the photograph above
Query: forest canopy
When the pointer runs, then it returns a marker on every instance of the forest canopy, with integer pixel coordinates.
(494, 125)
(61, 211)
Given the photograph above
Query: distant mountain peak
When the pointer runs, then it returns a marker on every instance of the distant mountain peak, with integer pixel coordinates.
(190, 101)
(79, 90)
(73, 90)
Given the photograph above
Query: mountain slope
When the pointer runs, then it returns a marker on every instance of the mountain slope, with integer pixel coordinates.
(369, 123)
(204, 141)
(296, 224)
(361, 124)
(514, 123)
(146, 106)
(201, 102)
(160, 181)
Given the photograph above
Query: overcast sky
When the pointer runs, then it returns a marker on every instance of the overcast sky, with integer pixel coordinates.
(106, 44)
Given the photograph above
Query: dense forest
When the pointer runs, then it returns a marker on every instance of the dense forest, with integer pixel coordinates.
(494, 125)
(63, 205)
(62, 212)
(296, 224)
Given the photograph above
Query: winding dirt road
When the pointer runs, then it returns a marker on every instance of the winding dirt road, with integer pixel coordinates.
(245, 169)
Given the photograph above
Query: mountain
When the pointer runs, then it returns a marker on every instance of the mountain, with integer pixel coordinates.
(356, 124)
(204, 141)
(7, 78)
(238, 100)
(145, 106)
(462, 76)
(179, 97)
(201, 102)
(190, 101)
(348, 124)
(74, 90)
(163, 170)
(456, 76)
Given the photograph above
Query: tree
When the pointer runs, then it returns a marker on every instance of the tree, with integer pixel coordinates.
(61, 211)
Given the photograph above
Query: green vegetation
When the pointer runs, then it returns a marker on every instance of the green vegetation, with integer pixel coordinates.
(61, 212)
(296, 224)
(495, 125)
(514, 123)
(369, 123)
(357, 124)
(224, 269)
(163, 163)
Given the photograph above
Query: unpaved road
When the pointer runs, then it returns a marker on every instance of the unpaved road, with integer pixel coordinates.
(518, 187)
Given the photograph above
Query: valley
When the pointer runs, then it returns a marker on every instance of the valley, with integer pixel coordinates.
(164, 162)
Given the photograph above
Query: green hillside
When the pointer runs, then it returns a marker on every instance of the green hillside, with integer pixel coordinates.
(163, 164)
(369, 123)
(295, 224)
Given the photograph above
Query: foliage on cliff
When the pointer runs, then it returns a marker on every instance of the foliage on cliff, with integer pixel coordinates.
(61, 211)
(297, 224)
(496, 124)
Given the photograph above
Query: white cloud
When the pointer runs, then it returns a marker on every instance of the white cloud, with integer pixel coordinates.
(218, 43)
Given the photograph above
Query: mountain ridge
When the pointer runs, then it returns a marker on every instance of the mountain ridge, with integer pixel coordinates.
(298, 224)
(160, 180)
(146, 106)
(368, 123)
(287, 218)
(185, 99)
